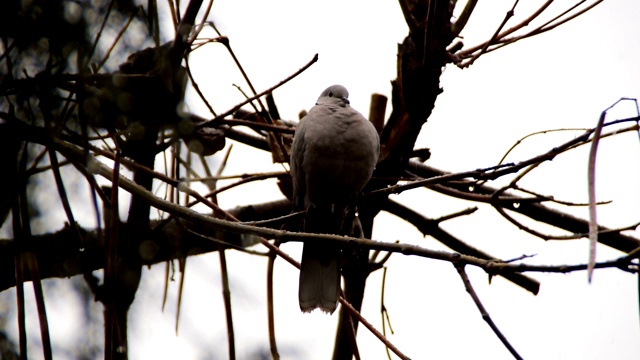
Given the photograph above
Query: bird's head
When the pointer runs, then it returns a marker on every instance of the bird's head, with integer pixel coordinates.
(334, 95)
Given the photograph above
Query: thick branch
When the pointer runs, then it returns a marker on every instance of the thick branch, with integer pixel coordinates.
(59, 258)
(421, 57)
(430, 227)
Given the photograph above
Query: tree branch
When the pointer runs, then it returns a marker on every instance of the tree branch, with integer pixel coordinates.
(428, 227)
(536, 211)
(483, 311)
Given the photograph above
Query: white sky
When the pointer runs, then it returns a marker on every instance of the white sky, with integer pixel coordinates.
(560, 79)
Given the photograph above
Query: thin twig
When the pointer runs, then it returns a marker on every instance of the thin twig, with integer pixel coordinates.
(243, 181)
(182, 267)
(227, 44)
(541, 132)
(20, 259)
(456, 214)
(226, 291)
(222, 243)
(175, 17)
(555, 22)
(226, 295)
(241, 104)
(22, 231)
(94, 45)
(383, 311)
(116, 40)
(237, 176)
(483, 311)
(354, 313)
(165, 291)
(32, 262)
(503, 40)
(196, 87)
(275, 220)
(476, 174)
(273, 346)
(197, 30)
(259, 126)
(493, 38)
(554, 200)
(255, 109)
(503, 169)
(515, 28)
(62, 194)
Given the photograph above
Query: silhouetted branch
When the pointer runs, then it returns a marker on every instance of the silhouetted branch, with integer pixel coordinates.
(384, 313)
(269, 90)
(470, 190)
(273, 346)
(373, 330)
(502, 39)
(483, 311)
(430, 227)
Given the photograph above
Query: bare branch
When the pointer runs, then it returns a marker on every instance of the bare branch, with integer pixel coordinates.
(273, 346)
(373, 330)
(469, 190)
(459, 24)
(495, 36)
(501, 40)
(269, 90)
(483, 311)
(432, 228)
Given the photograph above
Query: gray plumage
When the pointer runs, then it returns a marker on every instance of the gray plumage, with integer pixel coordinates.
(334, 153)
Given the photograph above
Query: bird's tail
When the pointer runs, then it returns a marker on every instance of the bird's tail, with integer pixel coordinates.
(319, 277)
(320, 266)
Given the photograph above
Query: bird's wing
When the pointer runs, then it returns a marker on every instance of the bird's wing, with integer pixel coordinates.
(296, 165)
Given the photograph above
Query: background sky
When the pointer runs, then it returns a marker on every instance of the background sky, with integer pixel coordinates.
(562, 79)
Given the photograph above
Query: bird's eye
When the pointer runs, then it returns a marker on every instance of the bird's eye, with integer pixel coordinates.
(330, 94)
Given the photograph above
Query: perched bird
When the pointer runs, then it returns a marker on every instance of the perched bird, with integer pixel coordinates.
(334, 153)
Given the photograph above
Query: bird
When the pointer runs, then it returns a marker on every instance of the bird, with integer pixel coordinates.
(333, 155)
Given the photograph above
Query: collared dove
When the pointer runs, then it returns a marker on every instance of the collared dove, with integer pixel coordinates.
(334, 153)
